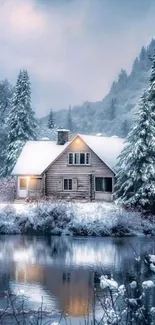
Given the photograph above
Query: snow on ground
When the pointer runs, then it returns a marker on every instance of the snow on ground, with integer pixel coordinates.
(18, 207)
(80, 209)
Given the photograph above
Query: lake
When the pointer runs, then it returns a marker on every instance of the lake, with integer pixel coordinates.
(61, 272)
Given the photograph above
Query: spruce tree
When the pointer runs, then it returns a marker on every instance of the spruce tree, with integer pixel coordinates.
(112, 109)
(143, 54)
(123, 77)
(6, 93)
(21, 121)
(135, 186)
(69, 120)
(51, 120)
(125, 128)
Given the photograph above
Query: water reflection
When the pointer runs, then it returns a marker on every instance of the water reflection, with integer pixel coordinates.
(63, 270)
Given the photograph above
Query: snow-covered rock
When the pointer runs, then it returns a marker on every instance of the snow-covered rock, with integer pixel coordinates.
(148, 284)
(122, 289)
(107, 283)
(133, 285)
(152, 267)
(152, 258)
(132, 302)
(152, 311)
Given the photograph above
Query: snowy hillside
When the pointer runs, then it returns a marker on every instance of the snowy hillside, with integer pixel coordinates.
(113, 115)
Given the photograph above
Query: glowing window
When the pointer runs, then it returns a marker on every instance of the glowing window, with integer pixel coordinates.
(23, 183)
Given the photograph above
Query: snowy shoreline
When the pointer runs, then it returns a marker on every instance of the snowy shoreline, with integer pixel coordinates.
(75, 219)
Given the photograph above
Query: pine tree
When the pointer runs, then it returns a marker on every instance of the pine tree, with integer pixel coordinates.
(143, 54)
(125, 128)
(123, 77)
(21, 122)
(69, 120)
(136, 167)
(6, 92)
(112, 109)
(135, 67)
(51, 120)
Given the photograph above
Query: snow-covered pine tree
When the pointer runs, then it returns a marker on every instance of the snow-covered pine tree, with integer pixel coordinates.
(69, 120)
(51, 120)
(135, 186)
(112, 109)
(125, 128)
(123, 77)
(30, 129)
(21, 122)
(6, 93)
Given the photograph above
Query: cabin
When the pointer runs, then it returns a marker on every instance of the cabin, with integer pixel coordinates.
(80, 168)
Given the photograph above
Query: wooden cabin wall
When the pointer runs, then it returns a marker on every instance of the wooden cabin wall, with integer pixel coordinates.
(82, 174)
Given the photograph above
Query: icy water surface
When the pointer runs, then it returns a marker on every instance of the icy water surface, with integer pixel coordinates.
(61, 271)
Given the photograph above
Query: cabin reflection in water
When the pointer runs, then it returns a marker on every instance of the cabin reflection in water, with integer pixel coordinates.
(29, 274)
(72, 288)
(62, 271)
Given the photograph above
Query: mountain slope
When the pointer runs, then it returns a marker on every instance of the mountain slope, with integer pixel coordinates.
(113, 115)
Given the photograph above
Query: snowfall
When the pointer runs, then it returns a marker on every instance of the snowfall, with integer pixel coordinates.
(68, 218)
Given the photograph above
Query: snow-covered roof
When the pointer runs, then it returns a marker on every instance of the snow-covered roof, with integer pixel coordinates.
(106, 148)
(36, 156)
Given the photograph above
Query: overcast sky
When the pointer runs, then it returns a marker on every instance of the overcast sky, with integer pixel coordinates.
(73, 49)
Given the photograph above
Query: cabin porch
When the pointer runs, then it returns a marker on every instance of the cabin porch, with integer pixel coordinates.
(30, 187)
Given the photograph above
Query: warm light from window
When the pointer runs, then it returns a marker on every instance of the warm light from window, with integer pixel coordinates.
(77, 141)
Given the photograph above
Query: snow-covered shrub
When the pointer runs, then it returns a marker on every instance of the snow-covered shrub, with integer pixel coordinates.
(7, 189)
(101, 219)
(86, 219)
(9, 220)
(123, 304)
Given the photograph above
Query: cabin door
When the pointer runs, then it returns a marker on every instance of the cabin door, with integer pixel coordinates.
(22, 187)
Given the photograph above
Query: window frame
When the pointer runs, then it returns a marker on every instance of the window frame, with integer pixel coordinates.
(68, 179)
(103, 179)
(70, 153)
(86, 154)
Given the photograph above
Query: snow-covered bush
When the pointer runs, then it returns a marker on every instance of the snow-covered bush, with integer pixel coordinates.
(94, 219)
(123, 304)
(7, 189)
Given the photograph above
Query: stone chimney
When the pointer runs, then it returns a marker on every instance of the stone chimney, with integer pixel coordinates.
(62, 136)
